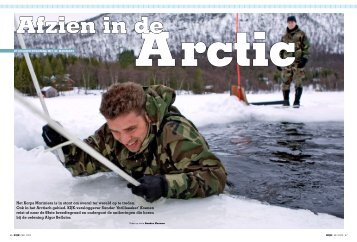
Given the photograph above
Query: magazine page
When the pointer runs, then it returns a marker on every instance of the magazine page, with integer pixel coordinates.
(162, 117)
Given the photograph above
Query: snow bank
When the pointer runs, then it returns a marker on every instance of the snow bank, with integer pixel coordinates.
(80, 113)
(222, 108)
(40, 176)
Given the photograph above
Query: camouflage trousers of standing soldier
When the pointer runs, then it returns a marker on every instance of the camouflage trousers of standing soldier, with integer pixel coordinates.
(292, 73)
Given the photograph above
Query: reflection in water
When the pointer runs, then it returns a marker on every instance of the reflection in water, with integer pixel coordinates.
(297, 165)
(293, 137)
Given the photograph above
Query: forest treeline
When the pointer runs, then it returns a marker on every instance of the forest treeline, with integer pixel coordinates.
(324, 72)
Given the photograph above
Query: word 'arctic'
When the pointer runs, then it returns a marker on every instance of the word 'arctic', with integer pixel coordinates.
(241, 46)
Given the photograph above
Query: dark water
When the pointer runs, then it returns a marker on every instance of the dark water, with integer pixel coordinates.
(295, 165)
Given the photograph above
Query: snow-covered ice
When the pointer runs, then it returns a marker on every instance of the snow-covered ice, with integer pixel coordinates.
(80, 113)
(39, 176)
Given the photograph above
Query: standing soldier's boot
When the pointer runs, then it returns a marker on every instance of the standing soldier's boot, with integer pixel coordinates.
(286, 98)
(298, 92)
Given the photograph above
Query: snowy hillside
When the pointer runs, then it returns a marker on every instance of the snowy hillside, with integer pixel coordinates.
(39, 176)
(326, 32)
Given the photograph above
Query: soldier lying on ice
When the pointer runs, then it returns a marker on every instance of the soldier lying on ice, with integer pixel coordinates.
(147, 137)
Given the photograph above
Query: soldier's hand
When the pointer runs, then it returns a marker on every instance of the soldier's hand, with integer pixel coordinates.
(279, 68)
(151, 188)
(51, 137)
(302, 63)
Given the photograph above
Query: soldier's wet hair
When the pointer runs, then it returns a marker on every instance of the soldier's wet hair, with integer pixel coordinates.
(123, 98)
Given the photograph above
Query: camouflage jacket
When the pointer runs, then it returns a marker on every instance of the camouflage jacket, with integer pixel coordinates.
(302, 45)
(173, 148)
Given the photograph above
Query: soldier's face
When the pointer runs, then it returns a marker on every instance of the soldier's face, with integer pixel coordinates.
(129, 129)
(291, 24)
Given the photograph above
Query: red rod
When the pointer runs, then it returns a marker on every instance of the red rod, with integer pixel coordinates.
(238, 69)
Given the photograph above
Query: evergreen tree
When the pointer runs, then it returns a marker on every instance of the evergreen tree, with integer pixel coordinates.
(58, 66)
(36, 62)
(198, 83)
(47, 71)
(126, 58)
(22, 77)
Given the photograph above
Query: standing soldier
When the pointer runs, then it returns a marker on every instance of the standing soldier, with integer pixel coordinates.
(295, 71)
(147, 137)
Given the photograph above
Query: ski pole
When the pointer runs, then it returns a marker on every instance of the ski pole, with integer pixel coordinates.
(35, 82)
(80, 143)
(32, 71)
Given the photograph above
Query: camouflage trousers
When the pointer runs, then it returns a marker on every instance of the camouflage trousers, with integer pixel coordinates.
(290, 73)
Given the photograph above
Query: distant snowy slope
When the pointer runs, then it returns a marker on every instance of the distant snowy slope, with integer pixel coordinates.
(325, 31)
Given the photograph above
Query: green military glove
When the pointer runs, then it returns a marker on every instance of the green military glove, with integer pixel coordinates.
(151, 188)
